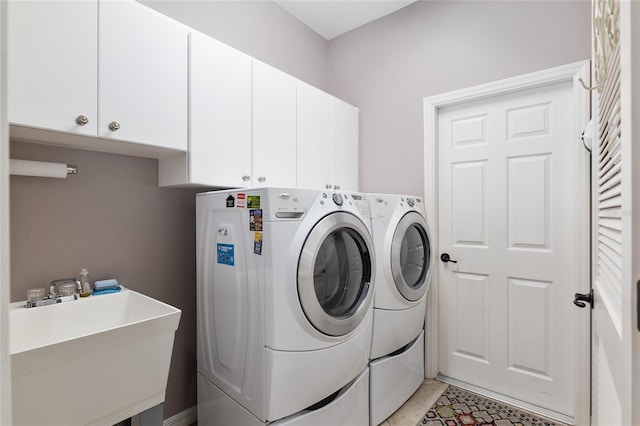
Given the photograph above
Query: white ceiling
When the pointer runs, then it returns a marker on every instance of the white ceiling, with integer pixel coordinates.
(331, 18)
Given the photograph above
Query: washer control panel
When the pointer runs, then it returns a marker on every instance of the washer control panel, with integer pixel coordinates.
(355, 202)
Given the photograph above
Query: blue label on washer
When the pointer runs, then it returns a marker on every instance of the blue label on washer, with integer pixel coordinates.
(225, 254)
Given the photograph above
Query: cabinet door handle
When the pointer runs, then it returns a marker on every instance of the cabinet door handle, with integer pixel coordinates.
(262, 179)
(336, 186)
(114, 125)
(82, 120)
(246, 178)
(328, 186)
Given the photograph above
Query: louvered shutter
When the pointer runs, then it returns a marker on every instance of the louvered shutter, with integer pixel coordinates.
(609, 185)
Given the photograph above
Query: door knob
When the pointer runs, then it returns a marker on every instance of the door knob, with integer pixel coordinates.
(114, 125)
(446, 258)
(580, 299)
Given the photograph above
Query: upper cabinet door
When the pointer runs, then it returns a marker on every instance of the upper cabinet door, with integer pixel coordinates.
(142, 75)
(52, 65)
(274, 127)
(314, 137)
(220, 113)
(344, 145)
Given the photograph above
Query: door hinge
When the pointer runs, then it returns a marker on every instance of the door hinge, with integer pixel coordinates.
(580, 299)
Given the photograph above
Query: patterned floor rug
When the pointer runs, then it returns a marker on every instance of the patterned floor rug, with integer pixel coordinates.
(460, 407)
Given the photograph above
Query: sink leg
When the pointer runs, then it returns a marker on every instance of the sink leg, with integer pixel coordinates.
(153, 416)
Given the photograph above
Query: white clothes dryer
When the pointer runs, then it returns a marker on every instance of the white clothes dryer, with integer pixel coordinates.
(403, 276)
(284, 305)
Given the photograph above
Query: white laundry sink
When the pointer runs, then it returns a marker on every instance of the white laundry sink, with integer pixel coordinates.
(93, 361)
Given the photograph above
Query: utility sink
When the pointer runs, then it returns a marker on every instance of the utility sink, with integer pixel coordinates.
(93, 361)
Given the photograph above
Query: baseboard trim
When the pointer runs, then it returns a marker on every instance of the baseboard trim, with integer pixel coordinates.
(183, 418)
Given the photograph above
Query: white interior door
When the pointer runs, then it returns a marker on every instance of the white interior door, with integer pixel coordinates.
(616, 202)
(507, 215)
(610, 384)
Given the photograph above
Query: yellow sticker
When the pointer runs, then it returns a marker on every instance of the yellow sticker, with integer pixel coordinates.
(257, 243)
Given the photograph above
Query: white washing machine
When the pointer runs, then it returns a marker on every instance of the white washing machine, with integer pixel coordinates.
(403, 276)
(284, 306)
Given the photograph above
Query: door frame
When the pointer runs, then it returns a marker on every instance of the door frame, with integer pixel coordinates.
(5, 358)
(581, 113)
(629, 32)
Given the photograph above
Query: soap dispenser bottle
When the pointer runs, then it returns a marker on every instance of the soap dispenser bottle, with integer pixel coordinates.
(86, 285)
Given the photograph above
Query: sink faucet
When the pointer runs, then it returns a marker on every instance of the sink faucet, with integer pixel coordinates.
(53, 287)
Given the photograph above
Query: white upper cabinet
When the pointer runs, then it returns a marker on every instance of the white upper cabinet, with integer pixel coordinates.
(134, 91)
(327, 141)
(242, 122)
(314, 137)
(344, 145)
(52, 65)
(274, 127)
(220, 114)
(142, 76)
(117, 76)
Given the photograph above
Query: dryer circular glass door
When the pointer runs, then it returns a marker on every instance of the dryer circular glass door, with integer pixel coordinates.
(334, 274)
(410, 256)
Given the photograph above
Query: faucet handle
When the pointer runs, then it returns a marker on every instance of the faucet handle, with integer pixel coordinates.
(53, 286)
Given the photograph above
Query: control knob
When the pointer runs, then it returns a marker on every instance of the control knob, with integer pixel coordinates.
(337, 198)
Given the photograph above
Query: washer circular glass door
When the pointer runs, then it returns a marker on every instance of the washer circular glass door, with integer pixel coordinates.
(410, 256)
(334, 274)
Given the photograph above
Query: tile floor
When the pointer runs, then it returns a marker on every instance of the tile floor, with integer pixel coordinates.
(414, 409)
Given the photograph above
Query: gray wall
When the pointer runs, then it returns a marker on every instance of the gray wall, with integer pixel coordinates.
(430, 47)
(112, 219)
(260, 28)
